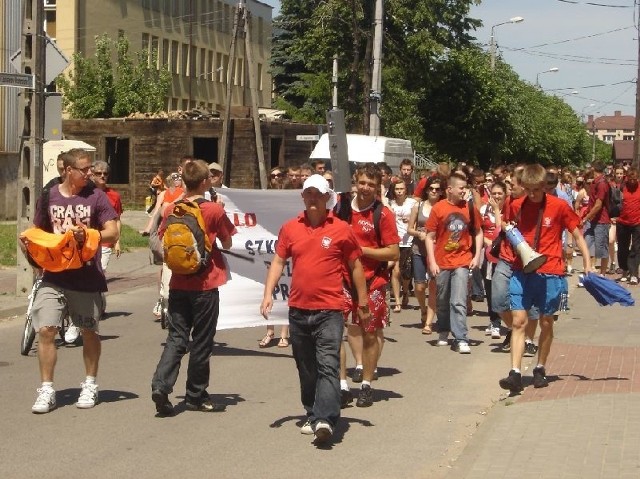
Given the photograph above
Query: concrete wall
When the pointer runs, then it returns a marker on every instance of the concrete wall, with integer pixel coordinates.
(8, 185)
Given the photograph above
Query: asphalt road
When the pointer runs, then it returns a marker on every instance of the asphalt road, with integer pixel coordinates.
(429, 402)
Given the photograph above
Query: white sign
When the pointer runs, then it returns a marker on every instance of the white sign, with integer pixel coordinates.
(56, 61)
(19, 80)
(307, 137)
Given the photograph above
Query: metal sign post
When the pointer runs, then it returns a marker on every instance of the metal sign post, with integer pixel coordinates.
(339, 151)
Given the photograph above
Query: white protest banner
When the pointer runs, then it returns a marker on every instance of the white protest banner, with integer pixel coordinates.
(258, 216)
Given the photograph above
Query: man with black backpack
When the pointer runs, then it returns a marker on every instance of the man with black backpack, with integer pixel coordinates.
(374, 226)
(597, 220)
(193, 290)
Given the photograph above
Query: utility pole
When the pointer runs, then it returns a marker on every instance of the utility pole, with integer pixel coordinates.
(375, 96)
(242, 21)
(32, 106)
(334, 81)
(636, 148)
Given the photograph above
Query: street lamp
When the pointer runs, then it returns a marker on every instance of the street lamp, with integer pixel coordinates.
(492, 41)
(550, 70)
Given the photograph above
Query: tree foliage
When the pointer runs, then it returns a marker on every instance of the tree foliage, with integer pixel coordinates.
(94, 89)
(438, 89)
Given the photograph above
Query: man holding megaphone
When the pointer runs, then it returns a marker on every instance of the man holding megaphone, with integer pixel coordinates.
(540, 219)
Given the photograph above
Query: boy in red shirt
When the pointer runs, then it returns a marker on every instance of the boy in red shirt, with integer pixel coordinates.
(449, 242)
(379, 245)
(544, 216)
(194, 306)
(320, 246)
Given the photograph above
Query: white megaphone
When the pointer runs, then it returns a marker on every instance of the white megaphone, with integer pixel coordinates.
(531, 260)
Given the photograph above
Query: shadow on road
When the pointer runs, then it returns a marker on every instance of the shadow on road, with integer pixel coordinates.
(68, 397)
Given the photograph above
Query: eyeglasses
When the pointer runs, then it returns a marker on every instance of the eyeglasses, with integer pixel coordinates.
(84, 170)
(277, 175)
(431, 188)
(100, 173)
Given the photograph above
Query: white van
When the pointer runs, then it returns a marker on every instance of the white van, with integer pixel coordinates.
(368, 149)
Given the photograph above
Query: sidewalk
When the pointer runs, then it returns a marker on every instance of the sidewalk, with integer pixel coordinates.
(585, 424)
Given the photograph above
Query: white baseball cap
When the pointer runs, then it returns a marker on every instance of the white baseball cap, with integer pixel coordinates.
(320, 183)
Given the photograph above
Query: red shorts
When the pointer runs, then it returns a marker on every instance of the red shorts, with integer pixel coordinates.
(377, 306)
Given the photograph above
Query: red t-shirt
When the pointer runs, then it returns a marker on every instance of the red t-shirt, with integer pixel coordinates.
(116, 202)
(364, 231)
(420, 186)
(319, 257)
(556, 217)
(600, 189)
(218, 226)
(630, 211)
(453, 241)
(506, 251)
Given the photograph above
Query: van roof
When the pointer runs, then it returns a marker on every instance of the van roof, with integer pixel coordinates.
(362, 148)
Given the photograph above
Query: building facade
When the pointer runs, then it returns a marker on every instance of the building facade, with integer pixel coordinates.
(192, 39)
(612, 128)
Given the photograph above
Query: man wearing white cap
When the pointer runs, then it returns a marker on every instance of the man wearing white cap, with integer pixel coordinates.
(318, 242)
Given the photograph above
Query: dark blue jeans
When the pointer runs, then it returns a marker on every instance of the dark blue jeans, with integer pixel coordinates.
(195, 314)
(316, 336)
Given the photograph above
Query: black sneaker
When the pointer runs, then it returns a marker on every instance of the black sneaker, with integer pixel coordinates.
(530, 350)
(346, 398)
(365, 397)
(539, 378)
(505, 347)
(163, 405)
(513, 382)
(357, 375)
(205, 406)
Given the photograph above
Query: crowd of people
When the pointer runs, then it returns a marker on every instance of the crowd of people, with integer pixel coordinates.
(438, 235)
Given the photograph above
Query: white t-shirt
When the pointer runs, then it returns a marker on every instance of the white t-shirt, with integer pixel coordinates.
(403, 212)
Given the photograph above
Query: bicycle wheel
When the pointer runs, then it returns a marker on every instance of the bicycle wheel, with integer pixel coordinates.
(28, 336)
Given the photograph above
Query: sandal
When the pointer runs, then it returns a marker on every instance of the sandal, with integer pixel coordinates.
(397, 308)
(266, 341)
(427, 329)
(283, 343)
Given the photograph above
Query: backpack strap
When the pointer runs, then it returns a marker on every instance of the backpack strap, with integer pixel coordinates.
(377, 213)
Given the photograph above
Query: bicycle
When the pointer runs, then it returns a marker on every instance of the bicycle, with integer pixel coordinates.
(28, 333)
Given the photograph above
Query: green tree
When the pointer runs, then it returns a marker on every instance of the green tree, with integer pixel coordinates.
(94, 90)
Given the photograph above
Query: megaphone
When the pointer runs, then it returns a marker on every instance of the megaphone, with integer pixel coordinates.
(531, 260)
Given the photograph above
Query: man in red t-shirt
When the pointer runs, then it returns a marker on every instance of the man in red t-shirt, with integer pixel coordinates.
(194, 306)
(320, 246)
(379, 244)
(450, 235)
(628, 228)
(597, 221)
(540, 217)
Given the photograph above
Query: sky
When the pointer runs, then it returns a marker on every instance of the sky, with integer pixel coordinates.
(593, 47)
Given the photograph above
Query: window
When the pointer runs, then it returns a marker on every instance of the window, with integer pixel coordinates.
(238, 78)
(184, 60)
(627, 131)
(175, 67)
(611, 131)
(628, 137)
(210, 69)
(185, 105)
(153, 58)
(193, 57)
(117, 155)
(219, 68)
(165, 55)
(608, 138)
(259, 76)
(50, 23)
(145, 42)
(225, 22)
(202, 67)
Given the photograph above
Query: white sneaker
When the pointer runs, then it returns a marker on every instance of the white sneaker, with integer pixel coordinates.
(443, 339)
(157, 309)
(569, 269)
(45, 402)
(71, 334)
(307, 428)
(495, 333)
(487, 331)
(463, 348)
(323, 431)
(88, 396)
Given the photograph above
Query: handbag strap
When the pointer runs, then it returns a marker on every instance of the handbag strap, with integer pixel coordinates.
(536, 239)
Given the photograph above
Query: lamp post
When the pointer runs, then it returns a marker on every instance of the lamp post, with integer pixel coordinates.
(550, 70)
(492, 41)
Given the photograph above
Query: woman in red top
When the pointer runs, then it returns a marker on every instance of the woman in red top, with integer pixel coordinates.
(491, 227)
(628, 228)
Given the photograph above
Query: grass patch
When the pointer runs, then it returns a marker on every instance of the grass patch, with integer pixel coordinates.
(130, 238)
(8, 245)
